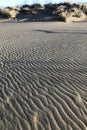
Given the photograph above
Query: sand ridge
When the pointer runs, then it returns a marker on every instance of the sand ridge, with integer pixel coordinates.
(43, 76)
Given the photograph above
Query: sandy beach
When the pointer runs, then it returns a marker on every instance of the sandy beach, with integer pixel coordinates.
(43, 76)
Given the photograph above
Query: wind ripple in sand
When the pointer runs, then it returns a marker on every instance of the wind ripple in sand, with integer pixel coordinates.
(42, 94)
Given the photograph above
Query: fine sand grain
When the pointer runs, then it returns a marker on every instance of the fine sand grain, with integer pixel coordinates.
(43, 76)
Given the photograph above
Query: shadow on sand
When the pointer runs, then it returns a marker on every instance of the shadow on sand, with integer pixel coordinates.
(63, 32)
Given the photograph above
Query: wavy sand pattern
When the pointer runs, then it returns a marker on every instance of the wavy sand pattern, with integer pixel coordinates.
(43, 76)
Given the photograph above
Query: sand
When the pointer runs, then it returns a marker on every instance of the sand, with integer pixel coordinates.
(43, 76)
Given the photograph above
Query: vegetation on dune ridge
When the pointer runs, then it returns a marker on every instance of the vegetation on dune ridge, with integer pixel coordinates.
(5, 14)
(62, 11)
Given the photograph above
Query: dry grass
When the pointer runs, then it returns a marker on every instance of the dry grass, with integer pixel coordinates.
(5, 14)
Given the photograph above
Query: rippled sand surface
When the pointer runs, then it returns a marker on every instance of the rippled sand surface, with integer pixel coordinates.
(43, 76)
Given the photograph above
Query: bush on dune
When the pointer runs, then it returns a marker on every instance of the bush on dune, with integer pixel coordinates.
(26, 6)
(50, 6)
(64, 17)
(36, 6)
(61, 17)
(25, 9)
(67, 4)
(77, 14)
(62, 11)
(84, 9)
(5, 14)
(70, 12)
(78, 6)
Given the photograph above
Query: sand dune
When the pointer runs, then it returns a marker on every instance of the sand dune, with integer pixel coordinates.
(43, 76)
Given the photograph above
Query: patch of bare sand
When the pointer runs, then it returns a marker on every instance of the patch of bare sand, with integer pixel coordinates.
(43, 76)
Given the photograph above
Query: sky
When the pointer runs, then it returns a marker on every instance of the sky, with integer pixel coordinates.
(21, 2)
